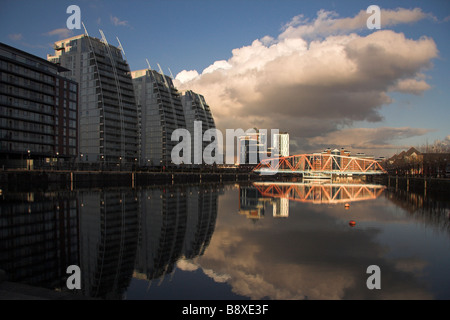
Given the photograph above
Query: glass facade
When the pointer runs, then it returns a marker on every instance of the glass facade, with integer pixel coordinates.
(108, 111)
(196, 109)
(160, 113)
(283, 144)
(39, 111)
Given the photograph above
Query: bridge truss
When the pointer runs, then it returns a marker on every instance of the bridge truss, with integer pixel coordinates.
(320, 165)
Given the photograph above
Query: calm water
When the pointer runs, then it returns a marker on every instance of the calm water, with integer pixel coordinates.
(253, 241)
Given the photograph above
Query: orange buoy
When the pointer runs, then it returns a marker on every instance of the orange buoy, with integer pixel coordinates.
(347, 205)
(352, 223)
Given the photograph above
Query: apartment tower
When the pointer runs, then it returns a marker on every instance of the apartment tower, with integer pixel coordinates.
(108, 112)
(196, 109)
(283, 144)
(160, 113)
(38, 112)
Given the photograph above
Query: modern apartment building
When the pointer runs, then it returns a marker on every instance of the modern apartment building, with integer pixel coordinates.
(196, 109)
(283, 144)
(160, 113)
(38, 111)
(108, 112)
(252, 148)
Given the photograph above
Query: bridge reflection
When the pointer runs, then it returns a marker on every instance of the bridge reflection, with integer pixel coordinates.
(253, 199)
(116, 235)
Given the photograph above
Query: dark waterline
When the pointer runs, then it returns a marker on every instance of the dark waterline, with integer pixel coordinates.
(235, 241)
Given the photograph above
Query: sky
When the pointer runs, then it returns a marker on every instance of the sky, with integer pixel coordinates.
(311, 68)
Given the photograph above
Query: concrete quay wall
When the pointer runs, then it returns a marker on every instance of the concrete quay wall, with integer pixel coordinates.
(23, 180)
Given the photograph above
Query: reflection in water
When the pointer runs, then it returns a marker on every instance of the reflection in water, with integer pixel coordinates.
(314, 254)
(428, 210)
(253, 199)
(109, 239)
(117, 235)
(175, 223)
(111, 234)
(39, 237)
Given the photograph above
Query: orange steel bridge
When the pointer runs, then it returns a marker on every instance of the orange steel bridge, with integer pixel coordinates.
(318, 164)
(320, 193)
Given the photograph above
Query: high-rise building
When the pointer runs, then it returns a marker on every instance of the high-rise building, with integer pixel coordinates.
(108, 112)
(196, 109)
(252, 148)
(160, 113)
(38, 111)
(283, 144)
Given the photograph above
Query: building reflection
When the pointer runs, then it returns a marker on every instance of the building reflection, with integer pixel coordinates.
(175, 223)
(254, 199)
(251, 202)
(163, 226)
(117, 234)
(108, 240)
(39, 237)
(111, 234)
(432, 210)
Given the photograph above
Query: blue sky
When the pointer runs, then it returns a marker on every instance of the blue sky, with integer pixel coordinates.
(194, 34)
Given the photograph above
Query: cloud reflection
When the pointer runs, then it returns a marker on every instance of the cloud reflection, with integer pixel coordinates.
(117, 235)
(311, 255)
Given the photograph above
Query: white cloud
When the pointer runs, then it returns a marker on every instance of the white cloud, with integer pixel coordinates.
(367, 138)
(412, 86)
(221, 64)
(62, 33)
(311, 86)
(118, 23)
(327, 22)
(186, 76)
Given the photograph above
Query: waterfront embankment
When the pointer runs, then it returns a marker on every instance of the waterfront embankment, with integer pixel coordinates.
(415, 184)
(22, 180)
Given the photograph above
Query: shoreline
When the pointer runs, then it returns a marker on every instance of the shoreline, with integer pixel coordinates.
(23, 180)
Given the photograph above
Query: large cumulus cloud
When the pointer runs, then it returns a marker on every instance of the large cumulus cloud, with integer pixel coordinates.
(317, 77)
